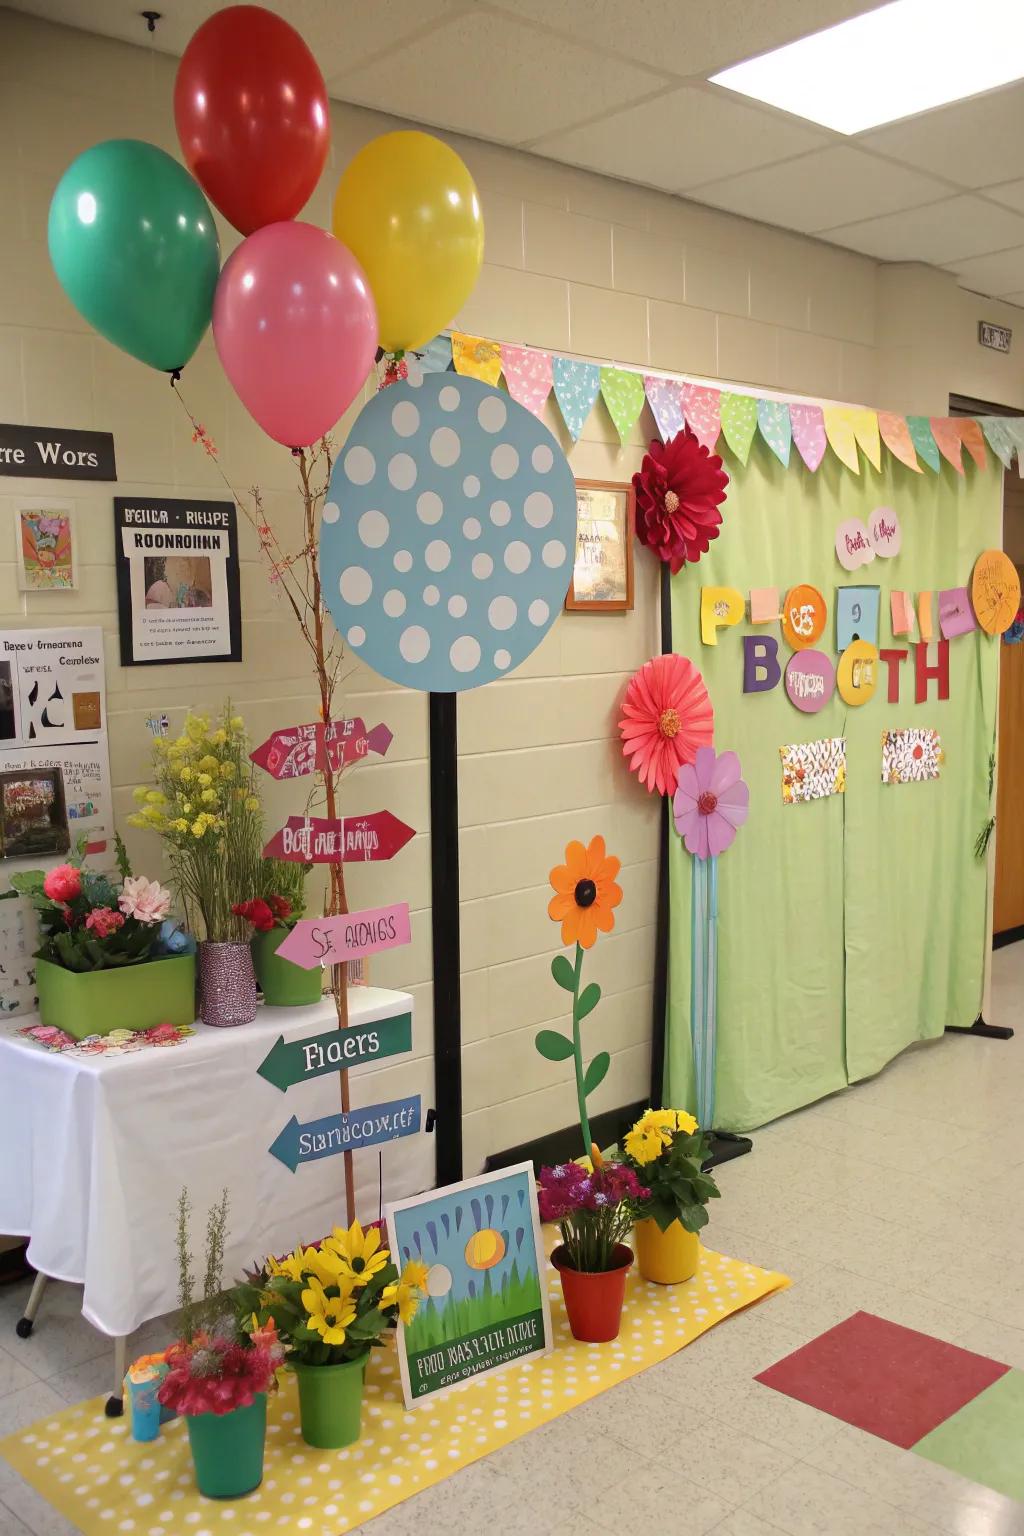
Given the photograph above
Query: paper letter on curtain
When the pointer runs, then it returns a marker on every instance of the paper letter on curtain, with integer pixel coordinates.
(718, 606)
(911, 755)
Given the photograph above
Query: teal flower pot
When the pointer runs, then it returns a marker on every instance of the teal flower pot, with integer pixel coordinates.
(227, 1449)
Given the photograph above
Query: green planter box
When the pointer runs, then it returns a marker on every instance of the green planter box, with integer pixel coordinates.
(129, 997)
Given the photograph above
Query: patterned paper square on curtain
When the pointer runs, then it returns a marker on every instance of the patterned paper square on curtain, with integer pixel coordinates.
(476, 357)
(623, 394)
(808, 432)
(923, 441)
(528, 376)
(896, 437)
(666, 406)
(946, 433)
(739, 422)
(813, 770)
(773, 420)
(702, 409)
(576, 387)
(909, 756)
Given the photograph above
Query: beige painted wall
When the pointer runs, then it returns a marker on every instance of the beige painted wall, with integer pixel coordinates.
(575, 262)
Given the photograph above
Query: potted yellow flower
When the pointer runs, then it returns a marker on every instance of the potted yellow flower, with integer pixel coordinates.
(331, 1305)
(666, 1149)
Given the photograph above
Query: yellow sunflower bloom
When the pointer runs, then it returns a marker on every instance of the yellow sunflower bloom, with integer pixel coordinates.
(329, 1316)
(643, 1146)
(663, 1119)
(360, 1252)
(686, 1123)
(326, 1265)
(415, 1274)
(403, 1296)
(293, 1267)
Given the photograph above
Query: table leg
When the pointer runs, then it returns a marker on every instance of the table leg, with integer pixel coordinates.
(115, 1402)
(23, 1327)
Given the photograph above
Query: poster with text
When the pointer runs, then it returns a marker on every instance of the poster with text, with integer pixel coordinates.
(486, 1302)
(54, 762)
(177, 581)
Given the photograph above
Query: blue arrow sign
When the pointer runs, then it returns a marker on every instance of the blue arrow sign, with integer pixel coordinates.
(346, 1132)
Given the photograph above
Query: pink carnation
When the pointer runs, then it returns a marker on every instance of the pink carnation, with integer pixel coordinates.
(145, 900)
(63, 883)
(103, 921)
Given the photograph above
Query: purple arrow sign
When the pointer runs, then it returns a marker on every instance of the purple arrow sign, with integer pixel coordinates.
(330, 940)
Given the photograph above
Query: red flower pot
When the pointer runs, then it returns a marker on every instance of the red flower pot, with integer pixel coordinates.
(593, 1302)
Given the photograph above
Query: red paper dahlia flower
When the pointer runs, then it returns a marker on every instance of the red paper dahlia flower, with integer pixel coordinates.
(678, 490)
(666, 717)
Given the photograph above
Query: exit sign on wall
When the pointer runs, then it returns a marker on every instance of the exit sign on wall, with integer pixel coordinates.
(998, 337)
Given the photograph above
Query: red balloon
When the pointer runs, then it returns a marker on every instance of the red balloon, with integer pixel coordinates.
(250, 107)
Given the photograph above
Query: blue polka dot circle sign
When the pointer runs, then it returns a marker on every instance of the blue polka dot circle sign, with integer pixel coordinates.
(448, 533)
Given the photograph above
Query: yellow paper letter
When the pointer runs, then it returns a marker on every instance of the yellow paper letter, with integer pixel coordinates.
(719, 606)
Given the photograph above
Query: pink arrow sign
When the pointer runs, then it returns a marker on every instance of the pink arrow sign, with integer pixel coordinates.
(318, 840)
(330, 940)
(298, 750)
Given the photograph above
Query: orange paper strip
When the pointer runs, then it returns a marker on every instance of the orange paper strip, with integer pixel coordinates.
(973, 439)
(865, 427)
(479, 358)
(947, 440)
(896, 437)
(925, 622)
(839, 429)
(901, 606)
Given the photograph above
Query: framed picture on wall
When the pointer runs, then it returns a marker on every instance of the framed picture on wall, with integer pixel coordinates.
(602, 578)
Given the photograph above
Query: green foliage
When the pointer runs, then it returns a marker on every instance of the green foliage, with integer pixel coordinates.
(124, 863)
(588, 1000)
(283, 877)
(435, 1325)
(679, 1187)
(195, 1315)
(596, 1072)
(280, 1298)
(563, 973)
(553, 1046)
(64, 938)
(186, 1279)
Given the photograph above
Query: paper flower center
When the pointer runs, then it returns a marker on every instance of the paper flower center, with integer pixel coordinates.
(671, 502)
(585, 893)
(669, 723)
(707, 802)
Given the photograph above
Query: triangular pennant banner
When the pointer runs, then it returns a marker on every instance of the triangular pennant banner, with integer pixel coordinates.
(702, 409)
(1015, 430)
(865, 430)
(435, 356)
(773, 420)
(623, 394)
(998, 439)
(663, 398)
(739, 422)
(576, 386)
(808, 433)
(479, 358)
(947, 439)
(896, 437)
(528, 376)
(841, 436)
(924, 443)
(972, 438)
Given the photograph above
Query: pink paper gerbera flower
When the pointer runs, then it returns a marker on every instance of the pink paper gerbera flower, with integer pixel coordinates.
(666, 717)
(711, 801)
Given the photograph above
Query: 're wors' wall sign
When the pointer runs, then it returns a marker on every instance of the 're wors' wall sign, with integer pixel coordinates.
(56, 453)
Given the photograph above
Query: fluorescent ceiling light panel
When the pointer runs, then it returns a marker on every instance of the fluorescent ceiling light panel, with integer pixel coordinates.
(903, 58)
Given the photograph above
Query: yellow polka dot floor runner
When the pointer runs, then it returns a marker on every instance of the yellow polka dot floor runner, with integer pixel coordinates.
(89, 1468)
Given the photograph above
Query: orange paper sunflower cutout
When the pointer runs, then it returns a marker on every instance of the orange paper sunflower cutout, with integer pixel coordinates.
(666, 717)
(585, 892)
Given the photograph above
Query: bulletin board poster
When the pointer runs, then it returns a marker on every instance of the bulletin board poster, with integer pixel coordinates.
(54, 759)
(177, 581)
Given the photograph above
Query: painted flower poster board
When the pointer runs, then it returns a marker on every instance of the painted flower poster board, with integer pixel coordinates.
(486, 1302)
(45, 547)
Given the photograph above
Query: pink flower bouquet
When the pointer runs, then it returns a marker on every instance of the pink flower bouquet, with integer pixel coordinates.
(89, 922)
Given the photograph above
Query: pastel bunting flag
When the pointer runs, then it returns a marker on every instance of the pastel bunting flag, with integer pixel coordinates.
(998, 439)
(528, 376)
(775, 427)
(865, 430)
(576, 387)
(972, 438)
(923, 441)
(702, 409)
(947, 440)
(623, 394)
(808, 426)
(841, 435)
(1015, 430)
(739, 422)
(896, 437)
(435, 356)
(479, 358)
(663, 399)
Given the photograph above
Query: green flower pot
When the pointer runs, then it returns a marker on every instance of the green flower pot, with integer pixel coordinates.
(284, 984)
(123, 997)
(227, 1449)
(331, 1403)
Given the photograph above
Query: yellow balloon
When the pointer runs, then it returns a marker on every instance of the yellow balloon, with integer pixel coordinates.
(485, 1249)
(408, 210)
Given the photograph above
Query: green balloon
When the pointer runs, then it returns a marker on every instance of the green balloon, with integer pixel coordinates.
(134, 246)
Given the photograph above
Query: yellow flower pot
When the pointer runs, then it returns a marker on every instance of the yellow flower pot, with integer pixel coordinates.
(668, 1257)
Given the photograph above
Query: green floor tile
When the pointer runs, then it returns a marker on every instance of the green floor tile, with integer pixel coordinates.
(984, 1440)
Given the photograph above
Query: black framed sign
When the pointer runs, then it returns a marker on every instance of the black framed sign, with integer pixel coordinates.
(178, 594)
(56, 453)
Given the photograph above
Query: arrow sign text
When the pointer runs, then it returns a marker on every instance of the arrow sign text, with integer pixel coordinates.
(319, 840)
(330, 940)
(346, 1132)
(293, 1061)
(299, 749)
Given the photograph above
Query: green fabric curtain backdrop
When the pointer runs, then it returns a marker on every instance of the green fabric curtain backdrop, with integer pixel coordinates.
(853, 925)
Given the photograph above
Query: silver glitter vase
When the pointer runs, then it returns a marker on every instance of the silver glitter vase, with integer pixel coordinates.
(227, 984)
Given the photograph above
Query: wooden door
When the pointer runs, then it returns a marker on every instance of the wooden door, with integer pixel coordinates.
(1009, 892)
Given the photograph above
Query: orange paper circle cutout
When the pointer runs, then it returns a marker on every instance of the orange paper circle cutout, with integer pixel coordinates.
(995, 591)
(803, 617)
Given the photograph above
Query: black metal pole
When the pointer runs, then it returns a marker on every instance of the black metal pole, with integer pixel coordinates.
(444, 895)
(660, 990)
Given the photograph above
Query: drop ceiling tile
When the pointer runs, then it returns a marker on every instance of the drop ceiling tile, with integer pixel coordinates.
(683, 138)
(995, 275)
(1009, 193)
(822, 190)
(496, 78)
(938, 233)
(970, 142)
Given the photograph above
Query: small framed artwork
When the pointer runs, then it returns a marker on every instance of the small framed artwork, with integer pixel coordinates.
(602, 577)
(45, 548)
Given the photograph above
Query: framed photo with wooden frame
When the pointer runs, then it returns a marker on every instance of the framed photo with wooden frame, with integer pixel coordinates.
(602, 578)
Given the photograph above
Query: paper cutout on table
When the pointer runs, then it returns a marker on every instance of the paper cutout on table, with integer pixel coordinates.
(995, 591)
(886, 533)
(329, 940)
(925, 616)
(972, 438)
(666, 407)
(856, 615)
(719, 607)
(434, 356)
(946, 433)
(764, 605)
(810, 680)
(808, 428)
(702, 410)
(998, 439)
(857, 673)
(455, 552)
(301, 749)
(345, 1132)
(841, 435)
(576, 387)
(477, 357)
(866, 431)
(923, 441)
(853, 544)
(776, 428)
(901, 608)
(119, 1042)
(623, 393)
(739, 422)
(956, 616)
(896, 437)
(924, 673)
(349, 839)
(528, 375)
(761, 670)
(804, 614)
(892, 660)
(335, 1050)
(909, 756)
(812, 770)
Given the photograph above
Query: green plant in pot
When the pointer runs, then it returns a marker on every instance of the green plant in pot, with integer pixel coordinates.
(666, 1149)
(273, 914)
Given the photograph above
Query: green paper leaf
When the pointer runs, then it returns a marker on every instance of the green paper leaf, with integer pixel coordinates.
(588, 1000)
(563, 973)
(596, 1072)
(739, 422)
(624, 396)
(553, 1046)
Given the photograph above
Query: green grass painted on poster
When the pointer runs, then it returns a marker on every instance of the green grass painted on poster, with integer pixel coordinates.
(434, 1325)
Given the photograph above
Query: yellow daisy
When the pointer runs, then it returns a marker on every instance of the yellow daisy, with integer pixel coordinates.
(360, 1252)
(329, 1316)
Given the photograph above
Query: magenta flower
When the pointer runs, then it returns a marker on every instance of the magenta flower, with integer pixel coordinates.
(103, 921)
(711, 801)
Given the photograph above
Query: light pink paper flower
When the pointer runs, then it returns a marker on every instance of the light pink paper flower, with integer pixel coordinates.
(145, 900)
(711, 801)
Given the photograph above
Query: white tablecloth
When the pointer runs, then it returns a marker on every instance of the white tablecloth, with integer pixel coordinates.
(94, 1153)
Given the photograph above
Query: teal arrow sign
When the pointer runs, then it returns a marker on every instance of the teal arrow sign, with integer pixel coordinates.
(293, 1061)
(346, 1132)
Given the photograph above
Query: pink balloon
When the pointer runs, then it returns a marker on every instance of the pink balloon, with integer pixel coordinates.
(295, 327)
